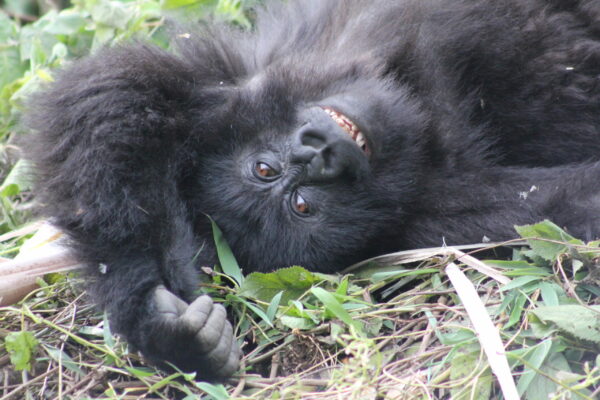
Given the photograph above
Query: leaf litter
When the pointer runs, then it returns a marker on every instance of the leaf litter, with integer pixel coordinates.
(394, 327)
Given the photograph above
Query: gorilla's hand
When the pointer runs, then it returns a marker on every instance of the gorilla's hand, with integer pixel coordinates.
(194, 337)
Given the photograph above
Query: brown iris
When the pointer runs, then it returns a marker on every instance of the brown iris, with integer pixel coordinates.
(264, 170)
(300, 205)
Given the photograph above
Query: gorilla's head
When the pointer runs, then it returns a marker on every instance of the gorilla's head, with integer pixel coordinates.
(312, 168)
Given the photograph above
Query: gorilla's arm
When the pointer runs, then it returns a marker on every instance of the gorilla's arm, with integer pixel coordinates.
(460, 208)
(112, 144)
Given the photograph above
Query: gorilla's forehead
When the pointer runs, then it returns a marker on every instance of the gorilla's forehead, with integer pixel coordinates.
(298, 79)
(256, 82)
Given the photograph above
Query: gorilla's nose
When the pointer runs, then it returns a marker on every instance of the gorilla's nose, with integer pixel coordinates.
(326, 150)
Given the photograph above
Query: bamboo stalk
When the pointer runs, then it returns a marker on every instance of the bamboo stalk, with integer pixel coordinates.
(17, 277)
(41, 255)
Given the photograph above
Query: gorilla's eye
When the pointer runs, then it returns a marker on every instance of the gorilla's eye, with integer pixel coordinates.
(264, 171)
(299, 204)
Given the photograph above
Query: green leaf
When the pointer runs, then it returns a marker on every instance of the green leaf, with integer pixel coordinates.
(534, 359)
(518, 268)
(549, 293)
(63, 358)
(226, 257)
(23, 7)
(465, 364)
(543, 385)
(342, 289)
(578, 321)
(67, 22)
(218, 392)
(21, 346)
(164, 382)
(516, 309)
(103, 35)
(448, 338)
(334, 306)
(256, 309)
(170, 4)
(297, 322)
(519, 282)
(11, 66)
(106, 332)
(18, 179)
(140, 372)
(593, 289)
(273, 305)
(453, 338)
(232, 11)
(296, 309)
(293, 282)
(59, 52)
(111, 13)
(548, 250)
(36, 43)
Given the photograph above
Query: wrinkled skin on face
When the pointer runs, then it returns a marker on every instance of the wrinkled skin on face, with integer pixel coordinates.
(332, 132)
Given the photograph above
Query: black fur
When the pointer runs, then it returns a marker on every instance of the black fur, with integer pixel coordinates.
(479, 115)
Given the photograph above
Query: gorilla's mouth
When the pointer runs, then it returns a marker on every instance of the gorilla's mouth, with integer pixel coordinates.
(350, 128)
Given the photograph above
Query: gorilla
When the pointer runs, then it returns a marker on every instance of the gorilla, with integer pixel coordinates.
(332, 132)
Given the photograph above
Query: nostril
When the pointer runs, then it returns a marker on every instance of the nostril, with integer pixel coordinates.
(327, 155)
(313, 139)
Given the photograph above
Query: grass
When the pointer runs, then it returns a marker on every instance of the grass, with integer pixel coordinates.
(392, 328)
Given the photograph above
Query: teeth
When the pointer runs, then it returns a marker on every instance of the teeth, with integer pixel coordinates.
(360, 140)
(348, 126)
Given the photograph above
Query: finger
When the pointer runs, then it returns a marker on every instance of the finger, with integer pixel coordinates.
(233, 360)
(219, 354)
(197, 314)
(167, 304)
(208, 337)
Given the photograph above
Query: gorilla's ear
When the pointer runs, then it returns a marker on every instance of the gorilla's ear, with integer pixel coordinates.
(110, 130)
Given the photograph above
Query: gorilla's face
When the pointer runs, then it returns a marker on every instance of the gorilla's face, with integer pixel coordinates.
(313, 182)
